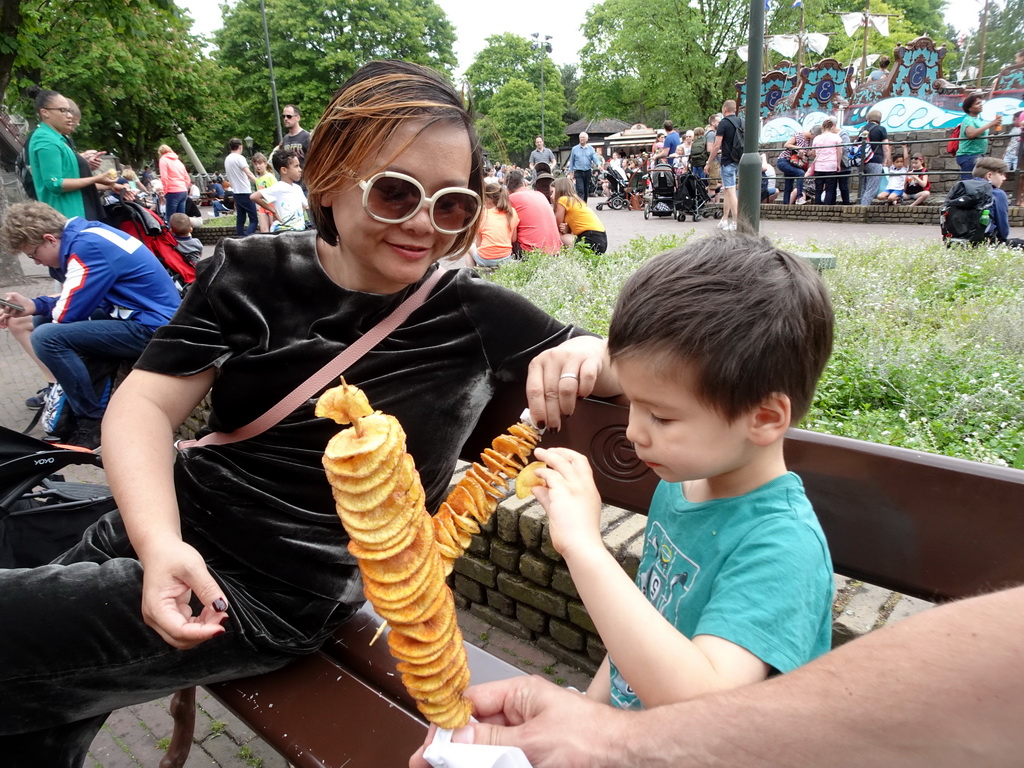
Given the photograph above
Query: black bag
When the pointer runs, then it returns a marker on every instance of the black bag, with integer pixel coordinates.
(962, 216)
(734, 152)
(58, 420)
(21, 165)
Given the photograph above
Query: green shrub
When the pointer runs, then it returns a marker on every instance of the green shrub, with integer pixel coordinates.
(929, 351)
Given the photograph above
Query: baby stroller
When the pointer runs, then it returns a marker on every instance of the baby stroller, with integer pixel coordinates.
(661, 198)
(616, 189)
(142, 223)
(692, 197)
(41, 515)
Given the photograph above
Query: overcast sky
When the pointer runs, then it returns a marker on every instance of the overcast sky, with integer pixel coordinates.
(475, 22)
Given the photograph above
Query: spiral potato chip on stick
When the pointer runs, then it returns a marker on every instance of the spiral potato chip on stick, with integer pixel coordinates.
(475, 497)
(380, 500)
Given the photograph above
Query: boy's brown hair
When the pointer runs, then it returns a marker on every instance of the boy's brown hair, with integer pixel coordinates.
(987, 165)
(753, 319)
(25, 224)
(180, 224)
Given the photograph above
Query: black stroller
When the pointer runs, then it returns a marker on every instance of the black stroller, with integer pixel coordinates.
(41, 515)
(617, 199)
(661, 197)
(692, 197)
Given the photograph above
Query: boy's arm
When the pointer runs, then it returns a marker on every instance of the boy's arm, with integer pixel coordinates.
(257, 197)
(600, 688)
(661, 665)
(1000, 215)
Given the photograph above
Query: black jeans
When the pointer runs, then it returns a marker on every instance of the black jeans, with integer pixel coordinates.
(74, 648)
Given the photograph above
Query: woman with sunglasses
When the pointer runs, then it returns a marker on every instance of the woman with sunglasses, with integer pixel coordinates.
(229, 560)
(55, 168)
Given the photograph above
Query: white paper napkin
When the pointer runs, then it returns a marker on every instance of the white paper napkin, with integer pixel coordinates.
(443, 753)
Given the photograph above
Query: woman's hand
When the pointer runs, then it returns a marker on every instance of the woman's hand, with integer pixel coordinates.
(172, 573)
(558, 377)
(570, 499)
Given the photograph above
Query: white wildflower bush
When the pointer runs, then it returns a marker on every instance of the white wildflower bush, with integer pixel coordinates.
(929, 348)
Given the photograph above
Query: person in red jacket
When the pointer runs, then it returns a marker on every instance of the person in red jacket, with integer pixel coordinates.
(538, 230)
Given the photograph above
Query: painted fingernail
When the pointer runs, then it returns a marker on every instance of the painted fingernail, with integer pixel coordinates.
(220, 605)
(542, 425)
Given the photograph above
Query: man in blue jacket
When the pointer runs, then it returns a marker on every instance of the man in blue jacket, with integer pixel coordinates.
(115, 295)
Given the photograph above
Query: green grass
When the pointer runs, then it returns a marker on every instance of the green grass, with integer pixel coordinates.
(929, 349)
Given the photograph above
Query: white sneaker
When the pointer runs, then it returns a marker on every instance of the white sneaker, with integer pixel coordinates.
(731, 226)
(723, 224)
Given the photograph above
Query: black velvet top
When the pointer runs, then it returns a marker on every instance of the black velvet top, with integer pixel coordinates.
(267, 316)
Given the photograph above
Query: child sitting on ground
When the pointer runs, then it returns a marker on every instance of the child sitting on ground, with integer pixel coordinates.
(993, 170)
(499, 223)
(718, 346)
(285, 199)
(189, 247)
(895, 182)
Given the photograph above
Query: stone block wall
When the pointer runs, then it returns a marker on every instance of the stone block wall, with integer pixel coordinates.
(512, 578)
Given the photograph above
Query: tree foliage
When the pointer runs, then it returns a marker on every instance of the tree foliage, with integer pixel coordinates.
(133, 94)
(1002, 36)
(506, 57)
(508, 129)
(316, 45)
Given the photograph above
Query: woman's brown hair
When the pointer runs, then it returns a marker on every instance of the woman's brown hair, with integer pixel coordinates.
(363, 117)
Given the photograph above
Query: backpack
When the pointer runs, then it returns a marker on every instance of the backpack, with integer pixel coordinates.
(966, 212)
(698, 159)
(954, 141)
(734, 152)
(21, 165)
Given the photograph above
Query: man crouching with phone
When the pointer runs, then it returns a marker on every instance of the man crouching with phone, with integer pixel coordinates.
(115, 295)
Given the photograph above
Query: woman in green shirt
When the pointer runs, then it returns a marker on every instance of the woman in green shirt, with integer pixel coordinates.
(53, 162)
(973, 132)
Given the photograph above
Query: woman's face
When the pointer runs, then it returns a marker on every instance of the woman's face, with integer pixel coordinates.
(975, 108)
(51, 114)
(376, 257)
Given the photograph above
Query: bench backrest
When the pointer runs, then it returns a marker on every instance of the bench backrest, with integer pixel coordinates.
(925, 525)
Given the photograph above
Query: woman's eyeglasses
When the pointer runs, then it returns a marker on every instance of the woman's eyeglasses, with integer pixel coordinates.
(392, 198)
(62, 110)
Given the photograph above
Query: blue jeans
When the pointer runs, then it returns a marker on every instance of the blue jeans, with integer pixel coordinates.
(582, 183)
(61, 346)
(870, 184)
(966, 163)
(219, 208)
(729, 173)
(174, 202)
(245, 207)
(793, 176)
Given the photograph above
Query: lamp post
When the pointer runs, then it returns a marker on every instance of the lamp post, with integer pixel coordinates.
(750, 164)
(541, 47)
(270, 66)
(248, 145)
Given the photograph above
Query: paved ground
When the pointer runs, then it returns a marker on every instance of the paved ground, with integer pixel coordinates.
(135, 736)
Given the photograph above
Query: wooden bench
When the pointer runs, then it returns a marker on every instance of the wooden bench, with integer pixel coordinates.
(928, 526)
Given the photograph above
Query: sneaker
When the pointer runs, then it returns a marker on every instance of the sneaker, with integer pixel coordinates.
(38, 400)
(802, 201)
(723, 224)
(730, 227)
(87, 434)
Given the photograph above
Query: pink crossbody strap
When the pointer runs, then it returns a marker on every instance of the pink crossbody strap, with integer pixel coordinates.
(330, 371)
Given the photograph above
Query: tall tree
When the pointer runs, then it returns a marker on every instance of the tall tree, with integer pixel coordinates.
(514, 120)
(506, 57)
(570, 86)
(133, 96)
(316, 45)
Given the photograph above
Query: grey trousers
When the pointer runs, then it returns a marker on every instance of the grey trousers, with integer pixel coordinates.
(74, 648)
(872, 184)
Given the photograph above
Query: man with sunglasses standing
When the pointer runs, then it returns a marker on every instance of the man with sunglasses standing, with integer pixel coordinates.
(296, 139)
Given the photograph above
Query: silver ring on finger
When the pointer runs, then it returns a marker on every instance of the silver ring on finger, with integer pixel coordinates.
(569, 376)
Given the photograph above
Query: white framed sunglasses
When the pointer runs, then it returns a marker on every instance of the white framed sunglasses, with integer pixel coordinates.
(392, 198)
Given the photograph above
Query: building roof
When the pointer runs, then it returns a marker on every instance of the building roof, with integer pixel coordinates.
(604, 125)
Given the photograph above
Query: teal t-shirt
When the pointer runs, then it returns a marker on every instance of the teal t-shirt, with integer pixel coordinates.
(978, 146)
(754, 570)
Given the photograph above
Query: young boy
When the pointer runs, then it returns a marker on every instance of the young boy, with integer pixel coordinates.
(993, 170)
(719, 346)
(188, 246)
(285, 200)
(894, 182)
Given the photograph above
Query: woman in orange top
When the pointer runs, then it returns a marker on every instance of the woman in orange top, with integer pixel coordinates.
(498, 224)
(175, 179)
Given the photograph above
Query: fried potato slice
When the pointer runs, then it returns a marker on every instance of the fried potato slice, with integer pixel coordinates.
(528, 480)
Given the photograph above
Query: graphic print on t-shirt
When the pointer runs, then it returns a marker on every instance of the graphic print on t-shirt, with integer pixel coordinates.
(667, 578)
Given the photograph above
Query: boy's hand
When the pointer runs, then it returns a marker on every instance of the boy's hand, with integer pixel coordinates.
(571, 500)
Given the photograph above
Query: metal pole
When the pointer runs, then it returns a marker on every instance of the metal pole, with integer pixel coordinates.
(750, 163)
(270, 65)
(864, 54)
(542, 95)
(981, 44)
